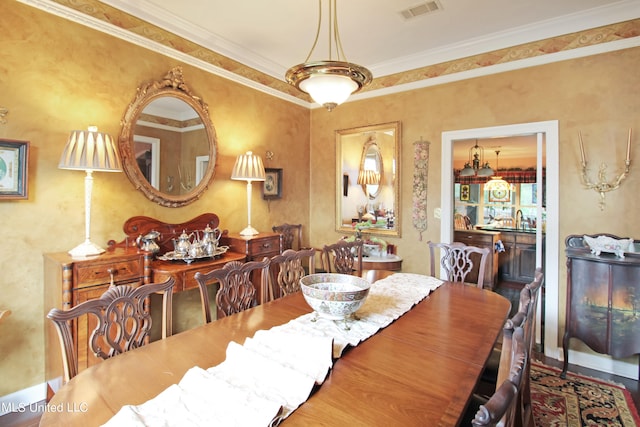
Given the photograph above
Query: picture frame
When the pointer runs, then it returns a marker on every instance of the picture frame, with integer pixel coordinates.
(14, 162)
(465, 192)
(272, 185)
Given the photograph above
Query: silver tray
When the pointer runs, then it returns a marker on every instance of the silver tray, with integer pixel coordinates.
(172, 256)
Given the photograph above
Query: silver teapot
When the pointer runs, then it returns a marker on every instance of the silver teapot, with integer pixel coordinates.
(182, 244)
(148, 242)
(210, 240)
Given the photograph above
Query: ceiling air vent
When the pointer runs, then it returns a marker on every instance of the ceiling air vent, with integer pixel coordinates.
(421, 9)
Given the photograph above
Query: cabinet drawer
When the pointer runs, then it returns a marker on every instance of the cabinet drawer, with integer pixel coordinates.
(474, 239)
(91, 274)
(265, 247)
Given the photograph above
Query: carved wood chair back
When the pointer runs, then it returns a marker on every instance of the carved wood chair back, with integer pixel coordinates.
(343, 257)
(291, 235)
(286, 270)
(123, 322)
(236, 292)
(462, 222)
(502, 407)
(457, 261)
(533, 289)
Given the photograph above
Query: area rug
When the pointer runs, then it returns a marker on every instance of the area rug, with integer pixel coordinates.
(579, 400)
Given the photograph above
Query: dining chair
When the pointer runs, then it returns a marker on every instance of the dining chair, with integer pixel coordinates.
(462, 222)
(286, 270)
(530, 340)
(291, 235)
(343, 257)
(458, 260)
(501, 408)
(123, 322)
(236, 292)
(526, 319)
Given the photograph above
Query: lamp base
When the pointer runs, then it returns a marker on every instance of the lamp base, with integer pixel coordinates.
(86, 249)
(249, 231)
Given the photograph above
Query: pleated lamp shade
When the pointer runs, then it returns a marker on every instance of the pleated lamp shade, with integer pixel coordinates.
(368, 177)
(90, 150)
(248, 167)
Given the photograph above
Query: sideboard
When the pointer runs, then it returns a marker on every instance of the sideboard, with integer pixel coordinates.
(69, 281)
(603, 300)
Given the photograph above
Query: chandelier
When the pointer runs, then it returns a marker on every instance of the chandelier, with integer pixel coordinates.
(329, 82)
(496, 184)
(476, 164)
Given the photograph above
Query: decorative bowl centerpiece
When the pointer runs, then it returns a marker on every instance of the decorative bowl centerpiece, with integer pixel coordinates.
(608, 244)
(334, 296)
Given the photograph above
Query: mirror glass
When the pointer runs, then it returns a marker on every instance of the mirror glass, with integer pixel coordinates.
(368, 179)
(167, 143)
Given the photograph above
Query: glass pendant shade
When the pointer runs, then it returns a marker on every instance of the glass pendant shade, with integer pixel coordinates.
(329, 89)
(496, 183)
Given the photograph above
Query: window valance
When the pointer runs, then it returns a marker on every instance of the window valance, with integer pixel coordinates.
(512, 176)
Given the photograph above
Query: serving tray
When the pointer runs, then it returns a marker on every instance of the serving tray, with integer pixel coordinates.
(172, 256)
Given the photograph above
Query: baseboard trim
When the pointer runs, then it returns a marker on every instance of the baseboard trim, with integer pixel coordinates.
(23, 400)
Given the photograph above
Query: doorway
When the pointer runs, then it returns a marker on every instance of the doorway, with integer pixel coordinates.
(547, 137)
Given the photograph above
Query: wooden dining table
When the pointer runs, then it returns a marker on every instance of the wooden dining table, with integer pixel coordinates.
(420, 370)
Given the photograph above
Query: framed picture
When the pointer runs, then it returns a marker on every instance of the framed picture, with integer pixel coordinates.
(465, 191)
(272, 186)
(14, 160)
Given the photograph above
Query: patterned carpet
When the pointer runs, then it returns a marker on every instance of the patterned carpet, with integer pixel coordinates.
(578, 400)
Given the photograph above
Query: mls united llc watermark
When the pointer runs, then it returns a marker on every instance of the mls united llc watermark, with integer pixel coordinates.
(6, 407)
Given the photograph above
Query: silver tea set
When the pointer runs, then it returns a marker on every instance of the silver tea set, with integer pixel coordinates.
(197, 244)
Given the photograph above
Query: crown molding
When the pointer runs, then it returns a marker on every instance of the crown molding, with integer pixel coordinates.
(454, 63)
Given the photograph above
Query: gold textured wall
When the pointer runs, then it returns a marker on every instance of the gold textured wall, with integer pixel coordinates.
(56, 76)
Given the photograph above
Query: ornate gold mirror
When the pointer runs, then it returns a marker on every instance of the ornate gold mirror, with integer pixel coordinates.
(167, 142)
(368, 179)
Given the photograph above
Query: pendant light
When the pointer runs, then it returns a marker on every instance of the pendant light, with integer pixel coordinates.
(496, 184)
(329, 82)
(476, 159)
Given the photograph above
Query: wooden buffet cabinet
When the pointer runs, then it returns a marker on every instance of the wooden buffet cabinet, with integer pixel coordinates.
(603, 300)
(69, 281)
(481, 239)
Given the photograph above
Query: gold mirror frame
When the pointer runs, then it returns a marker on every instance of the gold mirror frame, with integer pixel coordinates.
(172, 85)
(351, 149)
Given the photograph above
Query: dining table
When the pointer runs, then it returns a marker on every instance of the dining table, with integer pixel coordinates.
(421, 369)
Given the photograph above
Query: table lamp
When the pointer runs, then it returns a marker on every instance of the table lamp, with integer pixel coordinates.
(89, 151)
(248, 168)
(368, 177)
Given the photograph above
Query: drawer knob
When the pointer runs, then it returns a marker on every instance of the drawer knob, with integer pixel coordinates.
(112, 272)
(266, 245)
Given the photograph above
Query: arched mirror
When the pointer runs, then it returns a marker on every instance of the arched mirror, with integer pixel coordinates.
(368, 179)
(167, 142)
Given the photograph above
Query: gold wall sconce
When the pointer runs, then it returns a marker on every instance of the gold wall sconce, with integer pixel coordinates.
(602, 186)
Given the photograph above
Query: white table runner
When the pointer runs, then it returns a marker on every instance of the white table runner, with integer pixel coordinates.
(264, 380)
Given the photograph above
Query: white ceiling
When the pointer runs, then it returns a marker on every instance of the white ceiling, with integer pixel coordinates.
(273, 35)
